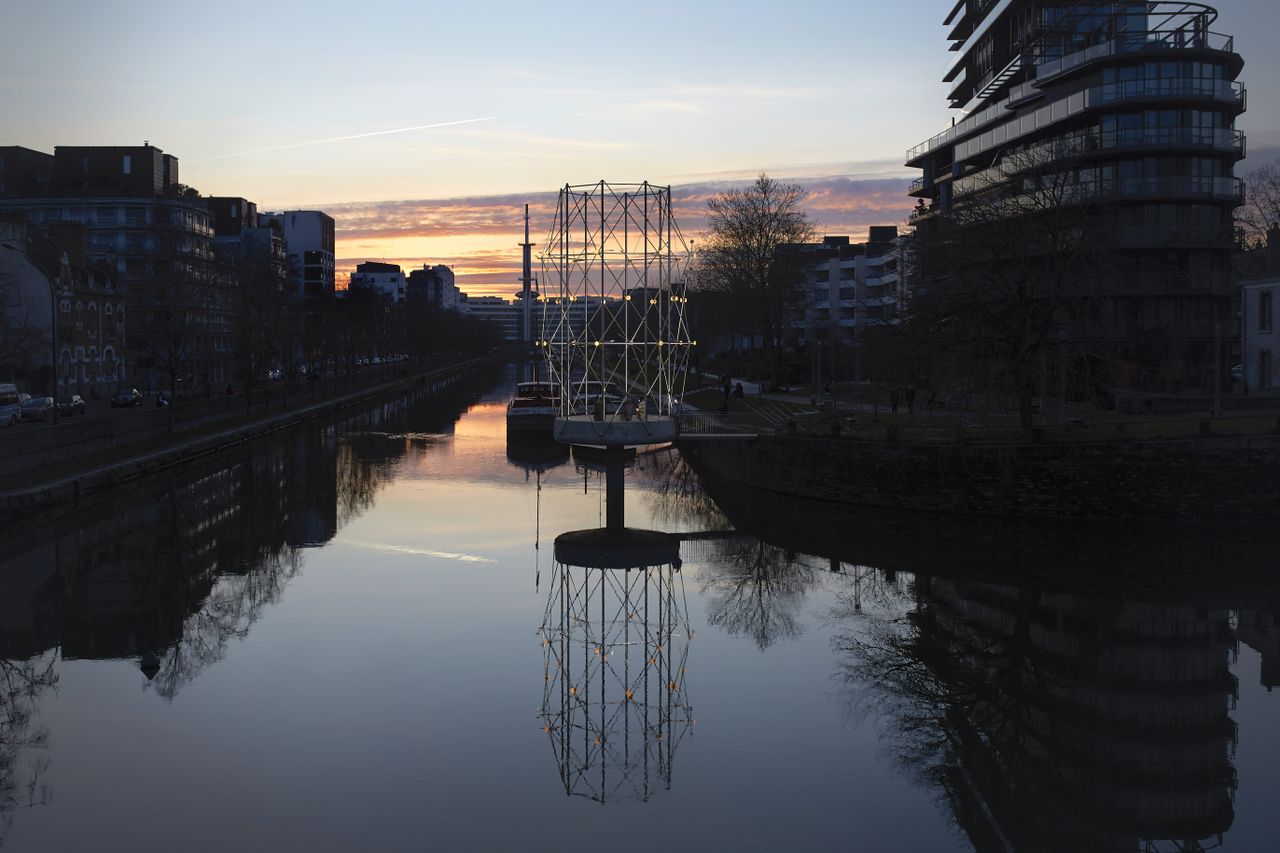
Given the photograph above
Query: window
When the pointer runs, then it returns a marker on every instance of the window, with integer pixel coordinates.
(1264, 310)
(65, 306)
(126, 164)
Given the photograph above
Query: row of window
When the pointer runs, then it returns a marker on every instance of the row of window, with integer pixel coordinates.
(1165, 70)
(133, 215)
(1077, 103)
(1174, 214)
(64, 306)
(1147, 119)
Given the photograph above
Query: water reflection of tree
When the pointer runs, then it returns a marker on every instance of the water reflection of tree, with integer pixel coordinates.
(228, 613)
(755, 589)
(675, 495)
(944, 697)
(22, 742)
(360, 476)
(1051, 721)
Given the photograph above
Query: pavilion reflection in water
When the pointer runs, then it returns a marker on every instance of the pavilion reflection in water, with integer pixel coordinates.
(615, 640)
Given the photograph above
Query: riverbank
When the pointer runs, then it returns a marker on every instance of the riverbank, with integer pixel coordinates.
(1207, 478)
(72, 480)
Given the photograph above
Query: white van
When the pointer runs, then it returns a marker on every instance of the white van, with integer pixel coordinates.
(10, 403)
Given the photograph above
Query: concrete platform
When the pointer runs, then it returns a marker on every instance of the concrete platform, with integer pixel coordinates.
(626, 548)
(613, 431)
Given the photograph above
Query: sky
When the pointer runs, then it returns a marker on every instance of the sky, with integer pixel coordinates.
(424, 127)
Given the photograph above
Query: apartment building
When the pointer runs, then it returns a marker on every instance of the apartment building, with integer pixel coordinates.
(1129, 108)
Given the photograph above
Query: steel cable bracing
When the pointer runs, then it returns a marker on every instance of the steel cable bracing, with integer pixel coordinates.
(614, 262)
(611, 723)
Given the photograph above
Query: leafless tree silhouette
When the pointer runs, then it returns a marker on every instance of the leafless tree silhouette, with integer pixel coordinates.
(756, 589)
(23, 758)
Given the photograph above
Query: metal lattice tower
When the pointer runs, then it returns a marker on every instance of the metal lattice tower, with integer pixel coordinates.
(615, 643)
(614, 267)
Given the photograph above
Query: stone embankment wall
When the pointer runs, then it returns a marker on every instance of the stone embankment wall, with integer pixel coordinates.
(1206, 478)
(69, 490)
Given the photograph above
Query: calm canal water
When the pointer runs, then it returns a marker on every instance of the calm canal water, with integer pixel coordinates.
(355, 636)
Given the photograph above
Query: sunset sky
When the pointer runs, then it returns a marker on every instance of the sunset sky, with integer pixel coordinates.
(424, 127)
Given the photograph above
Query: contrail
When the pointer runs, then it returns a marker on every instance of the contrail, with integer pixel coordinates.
(409, 549)
(340, 139)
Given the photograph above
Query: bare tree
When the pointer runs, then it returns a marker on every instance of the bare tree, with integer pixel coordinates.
(745, 256)
(264, 323)
(21, 684)
(1260, 213)
(22, 336)
(1011, 265)
(1261, 209)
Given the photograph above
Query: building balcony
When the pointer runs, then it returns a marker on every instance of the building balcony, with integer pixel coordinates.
(1108, 95)
(1217, 139)
(1223, 91)
(1165, 236)
(919, 187)
(920, 214)
(1156, 41)
(1199, 187)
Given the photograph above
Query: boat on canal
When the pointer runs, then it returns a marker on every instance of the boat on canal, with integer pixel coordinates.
(534, 408)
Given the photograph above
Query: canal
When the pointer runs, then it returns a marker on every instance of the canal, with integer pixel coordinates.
(356, 636)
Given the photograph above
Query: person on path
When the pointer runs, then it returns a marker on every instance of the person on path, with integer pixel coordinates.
(893, 400)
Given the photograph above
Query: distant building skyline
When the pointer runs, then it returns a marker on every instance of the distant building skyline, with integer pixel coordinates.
(508, 119)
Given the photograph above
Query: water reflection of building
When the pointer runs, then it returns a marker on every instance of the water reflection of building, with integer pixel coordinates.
(1260, 630)
(129, 577)
(313, 511)
(1057, 721)
(615, 644)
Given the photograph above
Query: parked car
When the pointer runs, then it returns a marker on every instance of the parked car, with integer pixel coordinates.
(36, 409)
(71, 404)
(11, 401)
(126, 397)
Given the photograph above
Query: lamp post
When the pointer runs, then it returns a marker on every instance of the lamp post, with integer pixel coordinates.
(53, 345)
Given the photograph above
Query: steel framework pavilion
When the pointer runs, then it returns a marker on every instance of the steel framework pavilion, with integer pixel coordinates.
(616, 340)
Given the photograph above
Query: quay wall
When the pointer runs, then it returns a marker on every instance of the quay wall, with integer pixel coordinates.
(1222, 478)
(70, 490)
